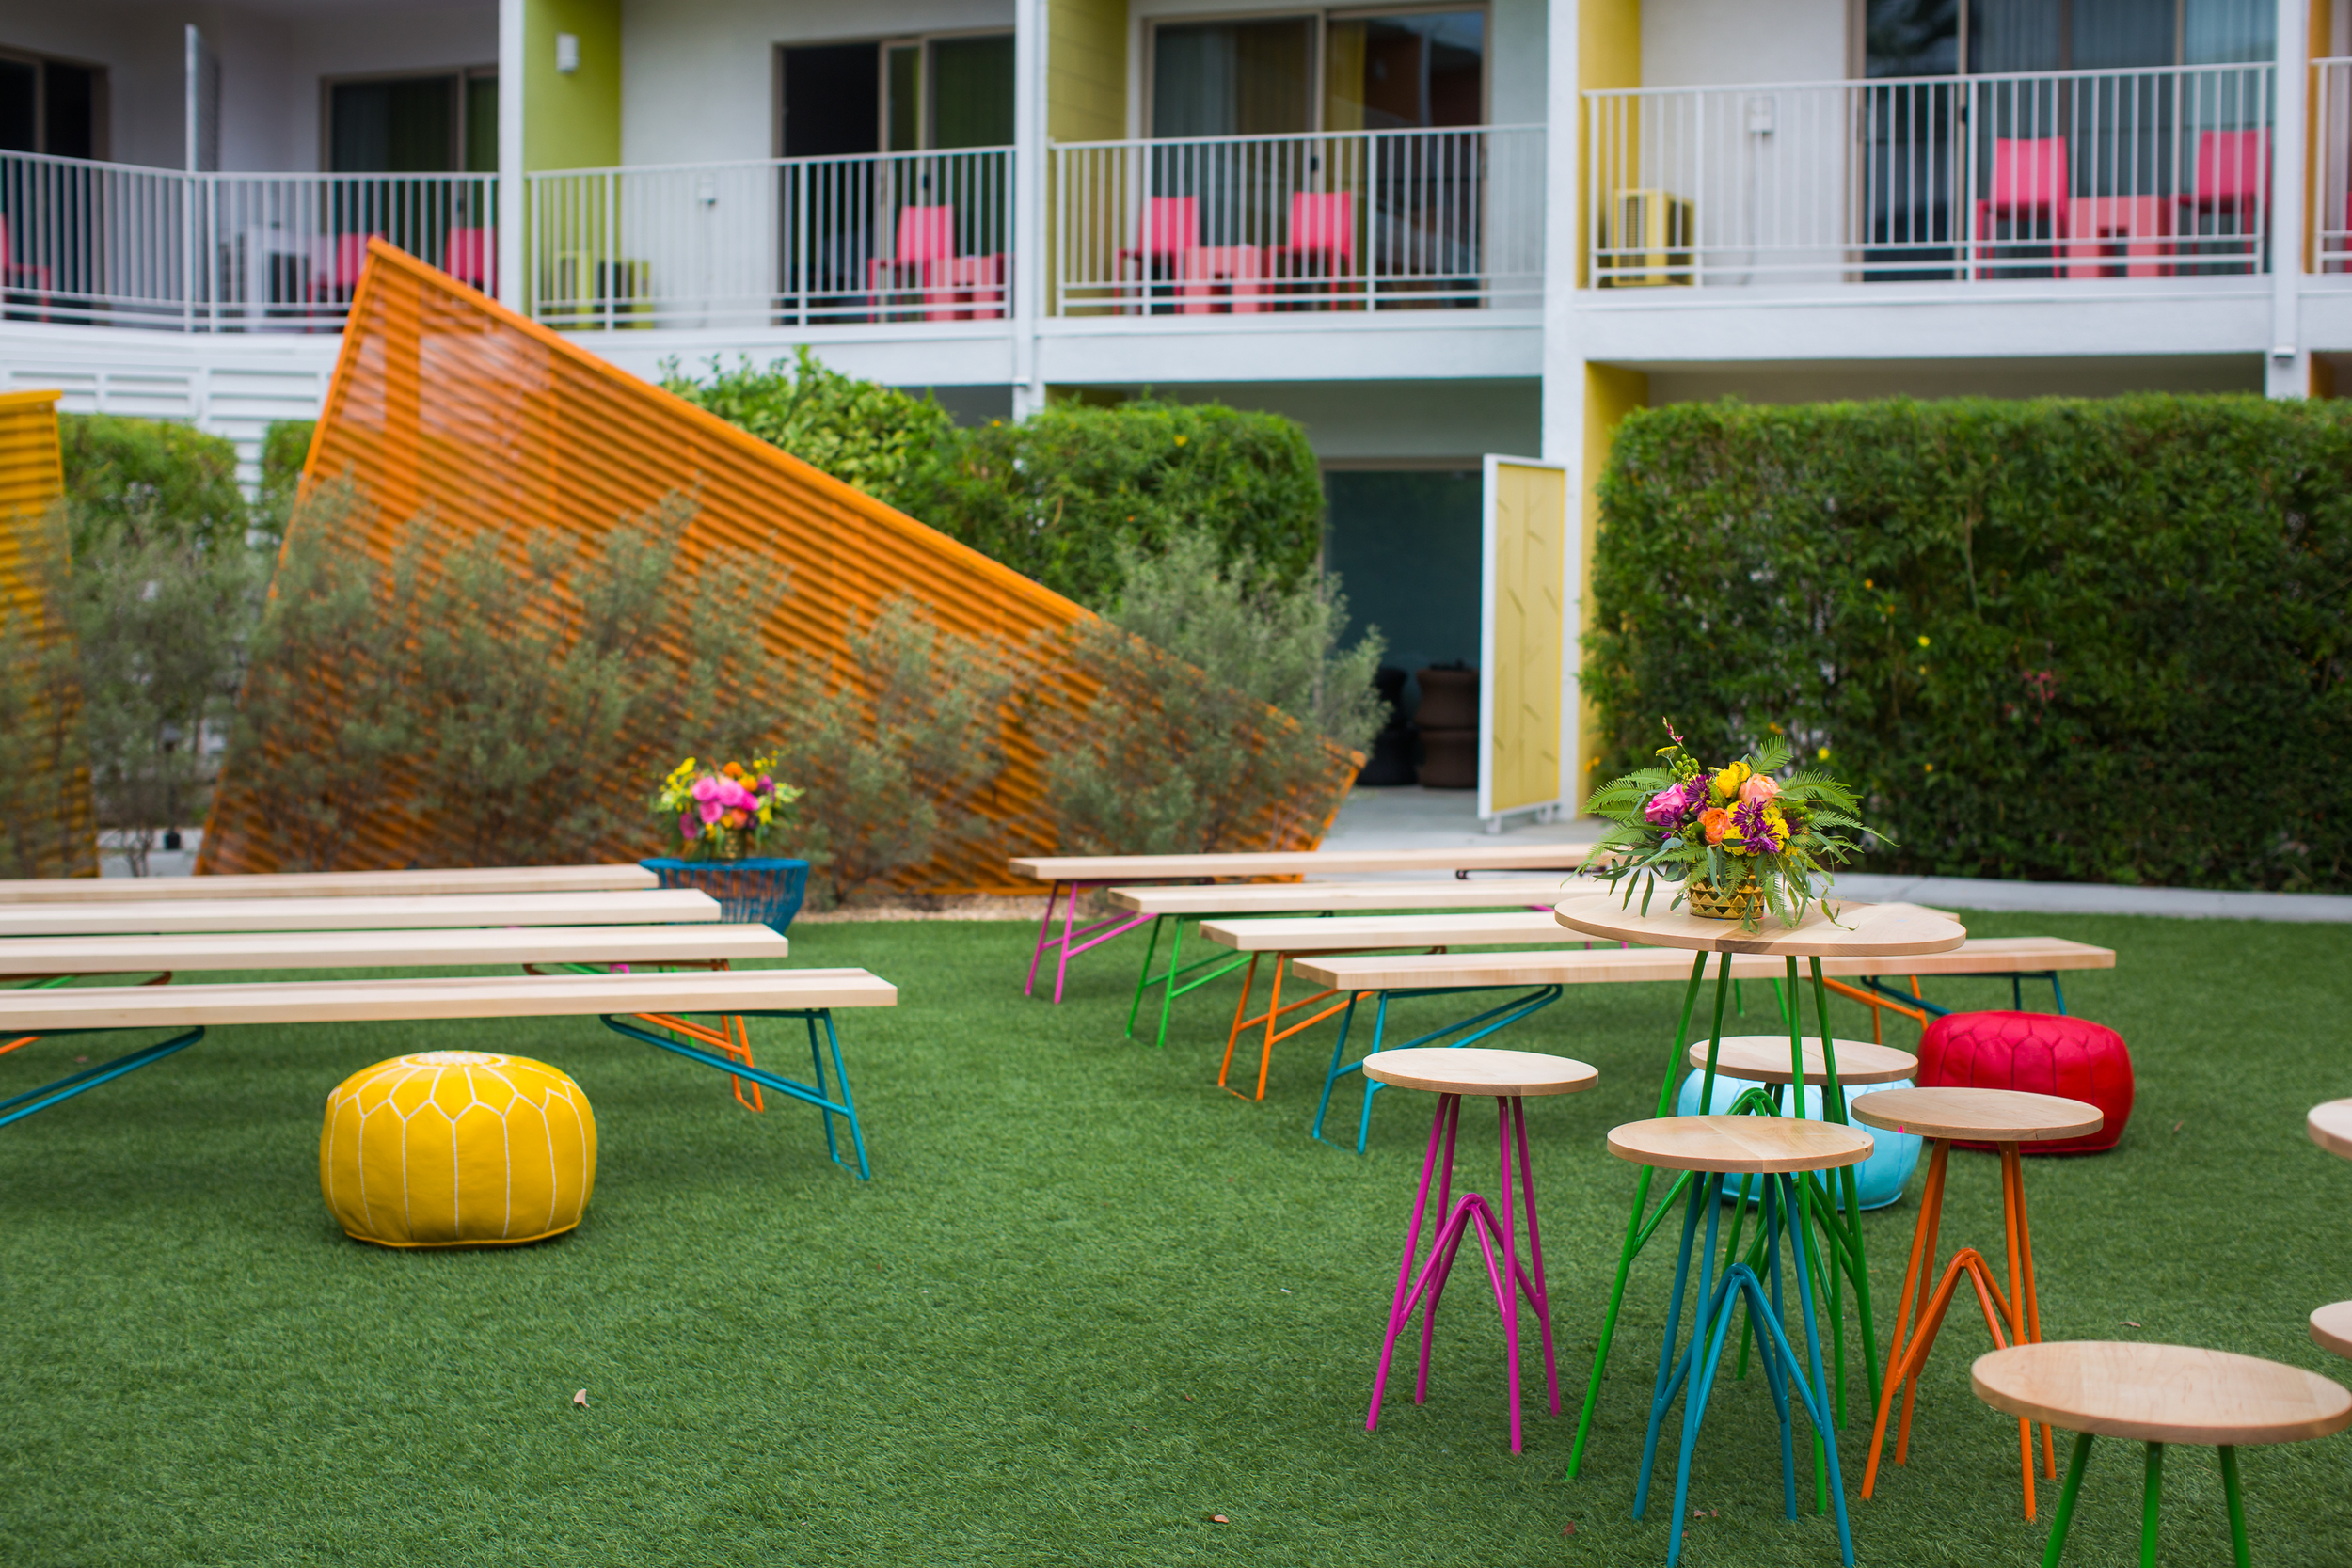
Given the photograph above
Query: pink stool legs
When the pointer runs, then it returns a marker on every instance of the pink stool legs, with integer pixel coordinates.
(1421, 1278)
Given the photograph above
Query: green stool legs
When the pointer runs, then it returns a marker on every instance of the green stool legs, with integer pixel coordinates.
(2151, 1496)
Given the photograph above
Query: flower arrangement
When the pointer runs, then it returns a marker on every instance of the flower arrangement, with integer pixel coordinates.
(724, 813)
(1735, 840)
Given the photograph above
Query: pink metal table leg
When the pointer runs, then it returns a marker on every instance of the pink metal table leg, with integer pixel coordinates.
(1073, 940)
(1508, 1275)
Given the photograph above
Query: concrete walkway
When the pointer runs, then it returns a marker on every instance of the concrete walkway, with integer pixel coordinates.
(1409, 817)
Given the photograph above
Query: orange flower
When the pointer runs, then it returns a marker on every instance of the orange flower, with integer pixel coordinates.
(1717, 822)
(734, 819)
(732, 769)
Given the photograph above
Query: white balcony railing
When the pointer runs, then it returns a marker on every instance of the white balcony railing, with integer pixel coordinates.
(2074, 174)
(1377, 220)
(115, 245)
(885, 237)
(2331, 170)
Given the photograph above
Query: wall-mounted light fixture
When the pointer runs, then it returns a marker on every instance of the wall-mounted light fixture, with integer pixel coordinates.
(567, 53)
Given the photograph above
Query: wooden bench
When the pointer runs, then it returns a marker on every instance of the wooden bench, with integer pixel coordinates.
(1173, 906)
(1075, 874)
(332, 884)
(414, 912)
(621, 1001)
(1541, 975)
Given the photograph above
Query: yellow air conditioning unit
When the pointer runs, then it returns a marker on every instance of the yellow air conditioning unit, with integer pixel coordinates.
(1649, 240)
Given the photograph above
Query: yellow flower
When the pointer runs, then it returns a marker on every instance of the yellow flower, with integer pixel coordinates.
(1821, 755)
(1923, 640)
(1727, 783)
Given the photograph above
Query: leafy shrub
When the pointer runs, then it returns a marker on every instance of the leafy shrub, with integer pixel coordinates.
(2098, 642)
(149, 476)
(1225, 705)
(285, 447)
(1058, 495)
(45, 826)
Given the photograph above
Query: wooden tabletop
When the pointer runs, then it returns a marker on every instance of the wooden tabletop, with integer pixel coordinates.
(1511, 929)
(1478, 1070)
(2331, 1328)
(1741, 1146)
(1859, 931)
(1764, 1058)
(468, 996)
(659, 906)
(2330, 1127)
(1979, 1116)
(433, 948)
(625, 878)
(2161, 1393)
(1280, 897)
(1412, 970)
(1307, 863)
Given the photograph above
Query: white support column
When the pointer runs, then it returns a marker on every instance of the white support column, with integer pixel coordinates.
(2288, 372)
(1564, 234)
(510, 208)
(1029, 248)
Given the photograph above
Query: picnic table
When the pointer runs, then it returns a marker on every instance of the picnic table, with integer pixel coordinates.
(626, 878)
(1075, 874)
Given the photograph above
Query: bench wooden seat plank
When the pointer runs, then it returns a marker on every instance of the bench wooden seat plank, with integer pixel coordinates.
(153, 917)
(1350, 933)
(1292, 897)
(455, 996)
(623, 878)
(433, 946)
(1466, 971)
(1307, 863)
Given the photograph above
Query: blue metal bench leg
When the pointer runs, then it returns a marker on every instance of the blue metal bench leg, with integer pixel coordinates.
(33, 1100)
(815, 1094)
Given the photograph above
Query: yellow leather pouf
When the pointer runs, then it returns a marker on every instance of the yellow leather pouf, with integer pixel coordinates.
(457, 1149)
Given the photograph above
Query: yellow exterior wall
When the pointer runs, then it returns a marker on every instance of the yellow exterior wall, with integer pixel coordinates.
(1531, 526)
(572, 121)
(1608, 54)
(1610, 395)
(1085, 70)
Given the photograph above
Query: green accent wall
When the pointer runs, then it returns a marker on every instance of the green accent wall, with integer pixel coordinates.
(1085, 70)
(572, 121)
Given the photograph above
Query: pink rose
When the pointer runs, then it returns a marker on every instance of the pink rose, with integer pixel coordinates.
(689, 827)
(1759, 790)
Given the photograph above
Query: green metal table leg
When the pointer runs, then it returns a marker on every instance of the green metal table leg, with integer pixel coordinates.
(2148, 1506)
(2236, 1501)
(2066, 1499)
(1834, 1101)
(1143, 975)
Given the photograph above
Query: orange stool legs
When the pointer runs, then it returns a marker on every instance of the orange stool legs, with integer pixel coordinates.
(2012, 1316)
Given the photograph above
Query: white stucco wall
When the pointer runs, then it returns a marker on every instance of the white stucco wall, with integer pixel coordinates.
(1708, 42)
(272, 61)
(698, 76)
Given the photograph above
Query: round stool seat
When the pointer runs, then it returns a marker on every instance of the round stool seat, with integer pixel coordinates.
(2331, 1328)
(1740, 1146)
(1985, 1115)
(1473, 1069)
(1765, 1059)
(2330, 1127)
(2161, 1393)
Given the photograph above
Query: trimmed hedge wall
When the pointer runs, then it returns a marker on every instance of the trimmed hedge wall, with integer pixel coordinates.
(2054, 640)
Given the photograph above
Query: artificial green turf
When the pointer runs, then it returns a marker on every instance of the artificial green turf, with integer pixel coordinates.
(1087, 1301)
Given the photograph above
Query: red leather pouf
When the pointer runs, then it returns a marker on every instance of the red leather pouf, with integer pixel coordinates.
(2038, 1053)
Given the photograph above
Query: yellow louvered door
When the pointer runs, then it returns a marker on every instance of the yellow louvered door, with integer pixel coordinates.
(50, 827)
(1525, 637)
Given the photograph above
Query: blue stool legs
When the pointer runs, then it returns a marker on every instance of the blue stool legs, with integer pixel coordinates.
(1697, 1364)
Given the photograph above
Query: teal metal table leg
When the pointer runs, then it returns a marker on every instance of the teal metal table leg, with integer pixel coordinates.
(32, 1100)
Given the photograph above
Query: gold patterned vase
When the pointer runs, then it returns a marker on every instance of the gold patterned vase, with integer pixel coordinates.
(1710, 902)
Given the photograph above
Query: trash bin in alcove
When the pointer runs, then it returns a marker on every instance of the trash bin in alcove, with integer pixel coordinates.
(1448, 722)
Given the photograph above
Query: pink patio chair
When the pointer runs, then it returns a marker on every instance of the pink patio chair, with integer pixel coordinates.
(17, 276)
(470, 255)
(920, 260)
(1322, 242)
(2232, 187)
(1170, 231)
(2029, 183)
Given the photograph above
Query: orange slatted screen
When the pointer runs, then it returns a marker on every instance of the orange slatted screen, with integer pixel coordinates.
(52, 828)
(444, 399)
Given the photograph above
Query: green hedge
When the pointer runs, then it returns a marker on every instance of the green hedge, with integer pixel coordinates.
(1056, 496)
(2057, 639)
(146, 476)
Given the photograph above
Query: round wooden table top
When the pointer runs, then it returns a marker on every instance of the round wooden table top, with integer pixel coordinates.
(1859, 931)
(1476, 1069)
(2330, 1127)
(2331, 1328)
(1764, 1058)
(1979, 1115)
(1741, 1146)
(2161, 1393)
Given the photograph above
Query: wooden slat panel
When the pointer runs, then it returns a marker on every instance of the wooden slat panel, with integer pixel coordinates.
(393, 949)
(443, 399)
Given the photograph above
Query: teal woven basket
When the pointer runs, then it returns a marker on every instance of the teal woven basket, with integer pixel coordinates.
(762, 892)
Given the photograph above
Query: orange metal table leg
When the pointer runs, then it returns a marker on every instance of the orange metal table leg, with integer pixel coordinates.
(1271, 1018)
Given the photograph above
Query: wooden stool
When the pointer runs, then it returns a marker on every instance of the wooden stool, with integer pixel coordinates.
(2158, 1394)
(1764, 1059)
(2330, 1127)
(1781, 1149)
(1450, 1073)
(2006, 1119)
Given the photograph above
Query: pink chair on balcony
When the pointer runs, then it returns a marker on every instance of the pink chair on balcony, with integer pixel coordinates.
(2233, 188)
(2029, 185)
(336, 266)
(1222, 280)
(20, 278)
(923, 262)
(1321, 246)
(470, 255)
(1171, 232)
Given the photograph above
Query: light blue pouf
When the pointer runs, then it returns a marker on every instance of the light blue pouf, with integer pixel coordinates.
(1880, 1179)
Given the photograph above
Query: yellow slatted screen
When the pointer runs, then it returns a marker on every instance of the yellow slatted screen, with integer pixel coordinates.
(1530, 539)
(443, 399)
(52, 826)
